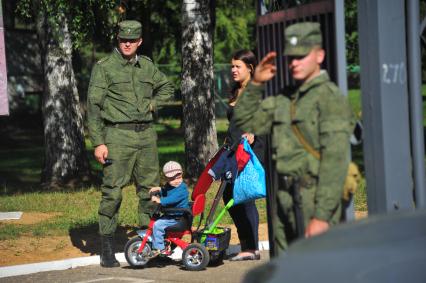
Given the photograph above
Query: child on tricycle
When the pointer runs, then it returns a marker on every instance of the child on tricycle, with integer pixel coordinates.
(173, 195)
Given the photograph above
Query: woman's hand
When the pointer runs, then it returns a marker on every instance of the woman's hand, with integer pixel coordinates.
(249, 137)
(266, 69)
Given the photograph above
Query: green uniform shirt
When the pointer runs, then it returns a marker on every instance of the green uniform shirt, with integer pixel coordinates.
(325, 119)
(122, 91)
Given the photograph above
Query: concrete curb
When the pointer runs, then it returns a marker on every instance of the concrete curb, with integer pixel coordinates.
(24, 269)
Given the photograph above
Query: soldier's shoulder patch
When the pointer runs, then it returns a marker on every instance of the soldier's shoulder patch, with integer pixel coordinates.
(333, 87)
(103, 60)
(329, 91)
(143, 57)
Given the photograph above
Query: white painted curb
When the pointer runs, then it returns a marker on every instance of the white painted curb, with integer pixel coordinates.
(23, 269)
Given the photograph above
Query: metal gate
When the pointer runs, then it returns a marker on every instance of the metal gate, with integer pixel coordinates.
(270, 30)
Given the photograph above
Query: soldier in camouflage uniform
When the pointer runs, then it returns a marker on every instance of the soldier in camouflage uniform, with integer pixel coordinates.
(324, 118)
(124, 92)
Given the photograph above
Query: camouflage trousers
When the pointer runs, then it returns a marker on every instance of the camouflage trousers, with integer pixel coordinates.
(284, 223)
(134, 155)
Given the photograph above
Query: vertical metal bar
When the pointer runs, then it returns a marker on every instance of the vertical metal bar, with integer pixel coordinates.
(416, 103)
(285, 69)
(339, 27)
(274, 48)
(261, 44)
(269, 40)
(385, 105)
(280, 60)
(4, 102)
(326, 44)
(340, 66)
(278, 49)
(333, 43)
(258, 7)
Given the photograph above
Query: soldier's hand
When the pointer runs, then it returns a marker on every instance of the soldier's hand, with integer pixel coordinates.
(101, 153)
(316, 227)
(155, 199)
(266, 69)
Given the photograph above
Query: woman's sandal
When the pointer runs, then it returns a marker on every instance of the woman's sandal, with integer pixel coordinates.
(251, 256)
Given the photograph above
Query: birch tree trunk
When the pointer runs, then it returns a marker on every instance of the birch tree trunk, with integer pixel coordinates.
(199, 120)
(65, 159)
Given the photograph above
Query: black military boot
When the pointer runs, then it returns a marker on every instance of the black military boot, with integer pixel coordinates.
(107, 253)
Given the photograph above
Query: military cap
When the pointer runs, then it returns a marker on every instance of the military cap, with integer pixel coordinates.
(300, 38)
(129, 29)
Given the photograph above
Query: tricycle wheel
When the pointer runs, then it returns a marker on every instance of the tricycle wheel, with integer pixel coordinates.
(195, 257)
(134, 258)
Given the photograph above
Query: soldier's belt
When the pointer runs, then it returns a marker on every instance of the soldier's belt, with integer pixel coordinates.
(137, 127)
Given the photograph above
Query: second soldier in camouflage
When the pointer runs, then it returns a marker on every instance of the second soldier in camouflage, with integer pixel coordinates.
(325, 120)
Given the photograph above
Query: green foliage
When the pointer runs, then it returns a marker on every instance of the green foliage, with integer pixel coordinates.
(278, 5)
(166, 31)
(351, 36)
(92, 22)
(235, 28)
(86, 18)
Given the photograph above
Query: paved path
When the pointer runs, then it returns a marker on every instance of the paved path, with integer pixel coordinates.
(160, 271)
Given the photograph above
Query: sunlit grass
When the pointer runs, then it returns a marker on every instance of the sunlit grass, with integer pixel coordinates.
(80, 209)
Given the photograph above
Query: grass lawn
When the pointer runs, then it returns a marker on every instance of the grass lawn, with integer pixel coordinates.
(21, 158)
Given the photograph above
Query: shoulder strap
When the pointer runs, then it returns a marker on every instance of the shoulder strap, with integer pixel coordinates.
(299, 135)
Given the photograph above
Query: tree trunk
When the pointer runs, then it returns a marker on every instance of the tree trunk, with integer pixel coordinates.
(199, 120)
(65, 160)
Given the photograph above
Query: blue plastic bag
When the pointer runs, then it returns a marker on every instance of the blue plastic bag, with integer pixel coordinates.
(250, 183)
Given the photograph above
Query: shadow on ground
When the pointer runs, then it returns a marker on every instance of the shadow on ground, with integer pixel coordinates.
(87, 239)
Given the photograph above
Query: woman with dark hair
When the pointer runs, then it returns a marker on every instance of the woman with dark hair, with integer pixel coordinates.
(245, 215)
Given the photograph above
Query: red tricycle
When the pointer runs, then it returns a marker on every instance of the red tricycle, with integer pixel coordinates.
(207, 246)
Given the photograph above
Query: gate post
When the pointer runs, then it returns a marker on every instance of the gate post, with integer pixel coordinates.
(416, 101)
(385, 105)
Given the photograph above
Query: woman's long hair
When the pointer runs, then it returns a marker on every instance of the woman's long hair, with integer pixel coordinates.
(250, 60)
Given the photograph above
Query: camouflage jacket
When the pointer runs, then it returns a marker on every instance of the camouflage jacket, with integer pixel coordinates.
(121, 91)
(325, 119)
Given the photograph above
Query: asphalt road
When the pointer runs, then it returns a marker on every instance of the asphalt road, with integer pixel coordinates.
(161, 271)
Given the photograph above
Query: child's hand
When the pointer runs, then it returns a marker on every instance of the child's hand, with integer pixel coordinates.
(154, 189)
(155, 199)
